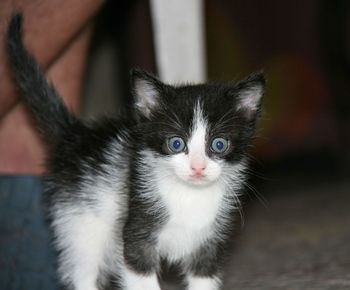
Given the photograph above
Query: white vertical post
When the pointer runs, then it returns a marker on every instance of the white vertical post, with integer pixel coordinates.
(178, 27)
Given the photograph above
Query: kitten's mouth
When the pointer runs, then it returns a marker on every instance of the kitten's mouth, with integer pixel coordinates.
(198, 179)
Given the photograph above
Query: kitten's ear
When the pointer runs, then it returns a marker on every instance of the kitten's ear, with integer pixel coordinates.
(146, 90)
(250, 92)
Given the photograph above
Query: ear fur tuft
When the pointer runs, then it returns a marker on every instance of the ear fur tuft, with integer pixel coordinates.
(146, 90)
(250, 93)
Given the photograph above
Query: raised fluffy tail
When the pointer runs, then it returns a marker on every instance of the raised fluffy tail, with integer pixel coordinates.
(51, 115)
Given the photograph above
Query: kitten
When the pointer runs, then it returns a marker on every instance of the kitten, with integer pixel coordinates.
(126, 194)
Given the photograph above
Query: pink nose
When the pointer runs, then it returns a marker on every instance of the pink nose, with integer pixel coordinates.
(198, 169)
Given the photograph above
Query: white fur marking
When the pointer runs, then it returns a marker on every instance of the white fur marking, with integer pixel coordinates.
(83, 238)
(146, 96)
(85, 233)
(197, 142)
(192, 205)
(183, 163)
(192, 212)
(249, 99)
(134, 281)
(200, 283)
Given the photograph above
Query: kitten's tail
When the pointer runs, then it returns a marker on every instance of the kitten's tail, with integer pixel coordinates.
(51, 115)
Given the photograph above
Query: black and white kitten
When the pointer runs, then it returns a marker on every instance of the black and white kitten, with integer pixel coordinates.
(126, 194)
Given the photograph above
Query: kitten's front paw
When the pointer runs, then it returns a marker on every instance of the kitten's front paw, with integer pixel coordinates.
(86, 288)
(135, 281)
(203, 283)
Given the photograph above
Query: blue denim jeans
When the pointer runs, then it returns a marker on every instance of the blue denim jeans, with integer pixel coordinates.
(26, 258)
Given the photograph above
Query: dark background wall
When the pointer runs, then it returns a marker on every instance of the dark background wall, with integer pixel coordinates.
(303, 47)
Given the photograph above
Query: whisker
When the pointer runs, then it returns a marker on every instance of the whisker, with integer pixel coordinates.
(258, 195)
(237, 201)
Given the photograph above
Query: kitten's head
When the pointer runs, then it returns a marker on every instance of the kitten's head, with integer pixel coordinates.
(197, 133)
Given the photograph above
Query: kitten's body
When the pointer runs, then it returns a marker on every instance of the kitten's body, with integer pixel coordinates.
(121, 199)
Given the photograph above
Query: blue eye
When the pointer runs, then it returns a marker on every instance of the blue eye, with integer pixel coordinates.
(219, 145)
(176, 144)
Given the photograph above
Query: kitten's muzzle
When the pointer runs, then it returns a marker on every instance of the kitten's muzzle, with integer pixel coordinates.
(198, 172)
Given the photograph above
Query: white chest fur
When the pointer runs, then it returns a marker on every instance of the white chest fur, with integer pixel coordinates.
(192, 213)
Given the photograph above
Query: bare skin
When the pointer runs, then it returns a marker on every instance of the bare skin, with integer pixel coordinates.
(57, 32)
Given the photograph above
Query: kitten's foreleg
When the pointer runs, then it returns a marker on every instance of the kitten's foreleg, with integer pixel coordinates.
(141, 262)
(203, 272)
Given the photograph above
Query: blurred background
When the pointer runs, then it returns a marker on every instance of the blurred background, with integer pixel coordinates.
(294, 232)
(303, 48)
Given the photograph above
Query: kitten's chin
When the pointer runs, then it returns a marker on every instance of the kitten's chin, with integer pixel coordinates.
(197, 181)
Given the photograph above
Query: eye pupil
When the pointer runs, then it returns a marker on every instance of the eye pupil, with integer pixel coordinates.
(176, 144)
(220, 145)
